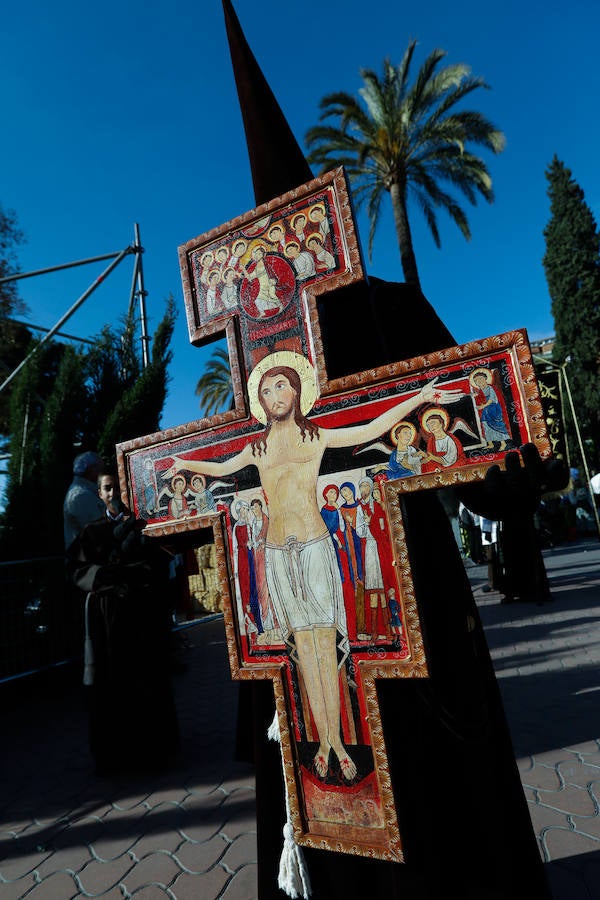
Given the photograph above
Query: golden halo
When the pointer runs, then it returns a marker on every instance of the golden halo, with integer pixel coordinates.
(236, 506)
(259, 245)
(486, 372)
(436, 411)
(396, 429)
(294, 361)
(298, 215)
(316, 206)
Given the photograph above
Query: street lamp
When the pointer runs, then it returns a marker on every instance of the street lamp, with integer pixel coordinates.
(561, 368)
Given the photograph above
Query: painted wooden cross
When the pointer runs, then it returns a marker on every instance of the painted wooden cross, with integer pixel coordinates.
(300, 484)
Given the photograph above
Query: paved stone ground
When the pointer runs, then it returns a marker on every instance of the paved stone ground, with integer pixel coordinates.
(547, 660)
(190, 833)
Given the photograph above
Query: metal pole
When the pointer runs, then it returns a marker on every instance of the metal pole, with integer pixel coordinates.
(133, 286)
(565, 380)
(70, 337)
(24, 441)
(581, 448)
(142, 294)
(69, 313)
(81, 262)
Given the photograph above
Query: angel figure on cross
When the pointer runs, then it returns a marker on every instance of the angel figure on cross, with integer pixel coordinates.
(490, 407)
(443, 447)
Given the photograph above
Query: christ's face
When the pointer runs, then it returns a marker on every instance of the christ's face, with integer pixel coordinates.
(480, 381)
(278, 397)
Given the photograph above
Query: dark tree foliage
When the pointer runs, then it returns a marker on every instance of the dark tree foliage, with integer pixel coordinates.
(26, 491)
(66, 401)
(572, 266)
(138, 409)
(61, 424)
(14, 338)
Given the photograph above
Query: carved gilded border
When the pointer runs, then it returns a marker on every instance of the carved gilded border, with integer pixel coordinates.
(202, 332)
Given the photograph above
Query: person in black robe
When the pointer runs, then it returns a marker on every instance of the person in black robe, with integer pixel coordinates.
(123, 580)
(463, 816)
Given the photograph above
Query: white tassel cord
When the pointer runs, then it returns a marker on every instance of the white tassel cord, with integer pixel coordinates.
(293, 874)
(88, 650)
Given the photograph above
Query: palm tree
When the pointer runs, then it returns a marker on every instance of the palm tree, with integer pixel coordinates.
(408, 141)
(214, 387)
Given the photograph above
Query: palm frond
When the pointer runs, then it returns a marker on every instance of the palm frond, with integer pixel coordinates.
(413, 141)
(214, 386)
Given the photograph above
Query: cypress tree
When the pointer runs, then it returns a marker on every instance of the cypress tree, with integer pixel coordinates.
(572, 266)
(60, 432)
(140, 404)
(65, 401)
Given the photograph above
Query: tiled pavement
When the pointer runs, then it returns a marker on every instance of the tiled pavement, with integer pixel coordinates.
(190, 833)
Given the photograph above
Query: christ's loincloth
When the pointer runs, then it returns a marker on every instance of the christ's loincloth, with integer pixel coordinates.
(306, 588)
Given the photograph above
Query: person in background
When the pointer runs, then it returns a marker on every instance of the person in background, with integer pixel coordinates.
(82, 503)
(115, 508)
(595, 486)
(123, 580)
(489, 543)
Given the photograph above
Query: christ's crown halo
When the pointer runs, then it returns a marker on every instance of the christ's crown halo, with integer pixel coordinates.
(292, 360)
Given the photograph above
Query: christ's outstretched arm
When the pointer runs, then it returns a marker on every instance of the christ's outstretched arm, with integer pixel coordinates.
(210, 467)
(360, 434)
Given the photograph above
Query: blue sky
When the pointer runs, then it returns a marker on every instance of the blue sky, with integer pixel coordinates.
(127, 112)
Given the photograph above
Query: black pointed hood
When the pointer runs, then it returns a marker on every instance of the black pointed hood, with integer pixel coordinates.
(277, 163)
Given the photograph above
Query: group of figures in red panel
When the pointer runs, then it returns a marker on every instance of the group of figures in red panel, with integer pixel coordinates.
(355, 518)
(259, 270)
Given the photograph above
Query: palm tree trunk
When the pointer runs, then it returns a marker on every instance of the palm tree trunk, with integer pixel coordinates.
(403, 233)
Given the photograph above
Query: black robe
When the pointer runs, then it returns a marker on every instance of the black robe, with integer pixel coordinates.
(463, 816)
(132, 719)
(462, 812)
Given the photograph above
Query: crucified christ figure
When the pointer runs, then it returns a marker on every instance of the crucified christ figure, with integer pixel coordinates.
(302, 573)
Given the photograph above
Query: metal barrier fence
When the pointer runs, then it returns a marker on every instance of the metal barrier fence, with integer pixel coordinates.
(40, 621)
(41, 613)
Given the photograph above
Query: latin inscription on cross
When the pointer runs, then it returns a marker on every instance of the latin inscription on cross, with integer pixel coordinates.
(300, 484)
